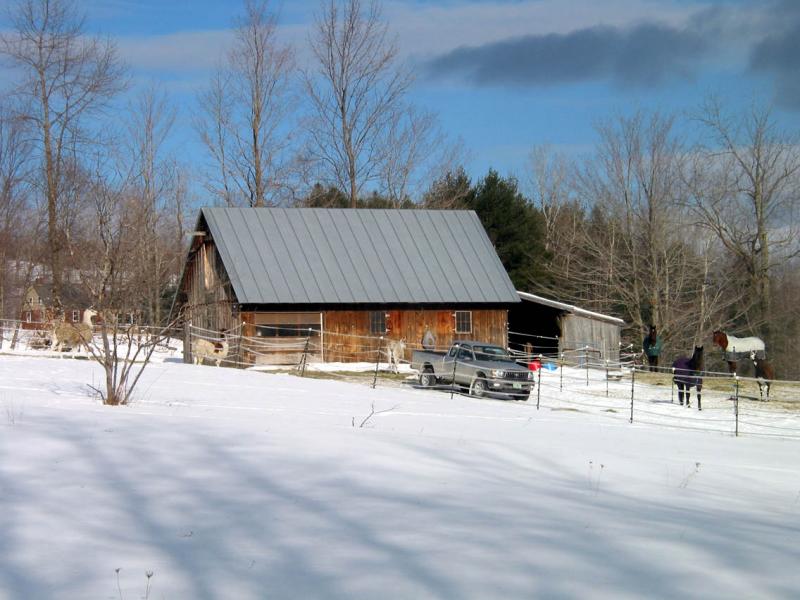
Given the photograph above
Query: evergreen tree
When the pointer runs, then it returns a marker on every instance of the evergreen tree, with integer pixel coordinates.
(514, 226)
(322, 197)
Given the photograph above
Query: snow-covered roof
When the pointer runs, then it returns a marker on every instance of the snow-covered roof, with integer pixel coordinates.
(570, 308)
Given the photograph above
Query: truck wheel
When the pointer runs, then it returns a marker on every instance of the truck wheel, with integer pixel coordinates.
(479, 387)
(427, 378)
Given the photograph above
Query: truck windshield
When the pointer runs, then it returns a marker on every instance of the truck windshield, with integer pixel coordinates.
(490, 353)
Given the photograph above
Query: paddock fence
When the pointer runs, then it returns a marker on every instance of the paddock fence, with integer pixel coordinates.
(573, 380)
(22, 337)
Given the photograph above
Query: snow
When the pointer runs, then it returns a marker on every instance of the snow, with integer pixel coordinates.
(238, 484)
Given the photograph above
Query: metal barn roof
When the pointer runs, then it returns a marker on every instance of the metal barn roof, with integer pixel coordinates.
(346, 256)
(570, 308)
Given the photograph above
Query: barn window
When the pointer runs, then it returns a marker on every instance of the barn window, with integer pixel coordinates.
(28, 317)
(377, 322)
(76, 316)
(463, 321)
(286, 330)
(283, 325)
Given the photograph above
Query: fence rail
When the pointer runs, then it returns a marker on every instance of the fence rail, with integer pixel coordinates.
(622, 390)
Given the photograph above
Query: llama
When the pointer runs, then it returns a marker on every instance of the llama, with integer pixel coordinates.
(73, 334)
(216, 350)
(396, 351)
(765, 374)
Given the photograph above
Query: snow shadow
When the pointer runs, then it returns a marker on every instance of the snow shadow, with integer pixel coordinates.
(250, 512)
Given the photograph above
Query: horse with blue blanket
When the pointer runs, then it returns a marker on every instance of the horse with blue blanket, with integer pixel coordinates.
(687, 374)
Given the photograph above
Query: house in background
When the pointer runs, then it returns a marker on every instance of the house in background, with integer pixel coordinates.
(540, 325)
(38, 308)
(345, 276)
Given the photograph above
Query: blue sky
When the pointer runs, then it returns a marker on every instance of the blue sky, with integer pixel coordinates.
(505, 75)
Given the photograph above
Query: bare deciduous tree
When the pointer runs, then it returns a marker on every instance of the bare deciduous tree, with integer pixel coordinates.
(17, 215)
(243, 111)
(104, 248)
(411, 137)
(65, 77)
(448, 191)
(151, 179)
(636, 251)
(415, 151)
(356, 89)
(549, 181)
(744, 188)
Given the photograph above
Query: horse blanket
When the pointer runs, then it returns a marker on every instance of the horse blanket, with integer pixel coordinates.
(739, 348)
(685, 373)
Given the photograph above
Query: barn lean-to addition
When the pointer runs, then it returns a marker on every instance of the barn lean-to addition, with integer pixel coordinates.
(347, 277)
(553, 328)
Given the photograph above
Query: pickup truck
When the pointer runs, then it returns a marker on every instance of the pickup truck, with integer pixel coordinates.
(483, 368)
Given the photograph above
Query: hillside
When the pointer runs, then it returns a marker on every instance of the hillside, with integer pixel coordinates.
(235, 484)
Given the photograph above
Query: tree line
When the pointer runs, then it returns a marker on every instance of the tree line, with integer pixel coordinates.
(686, 222)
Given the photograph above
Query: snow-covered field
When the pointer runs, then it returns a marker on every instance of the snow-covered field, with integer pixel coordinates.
(238, 484)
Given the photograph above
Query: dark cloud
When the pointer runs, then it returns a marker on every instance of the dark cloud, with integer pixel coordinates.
(765, 32)
(644, 55)
(778, 53)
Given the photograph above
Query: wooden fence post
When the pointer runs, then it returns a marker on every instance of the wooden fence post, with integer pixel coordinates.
(539, 382)
(586, 359)
(453, 381)
(736, 402)
(633, 387)
(377, 363)
(305, 357)
(672, 388)
(187, 342)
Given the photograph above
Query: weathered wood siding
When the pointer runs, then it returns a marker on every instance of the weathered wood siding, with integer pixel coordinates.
(210, 301)
(347, 335)
(598, 340)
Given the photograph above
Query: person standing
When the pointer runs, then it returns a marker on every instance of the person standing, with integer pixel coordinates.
(652, 347)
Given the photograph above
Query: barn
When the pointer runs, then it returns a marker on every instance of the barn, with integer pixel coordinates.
(540, 325)
(338, 283)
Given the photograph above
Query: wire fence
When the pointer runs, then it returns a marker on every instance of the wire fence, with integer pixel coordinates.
(623, 390)
(17, 337)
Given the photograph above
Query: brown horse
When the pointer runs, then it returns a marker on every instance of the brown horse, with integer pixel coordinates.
(733, 347)
(764, 373)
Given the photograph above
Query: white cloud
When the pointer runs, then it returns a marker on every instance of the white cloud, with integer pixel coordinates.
(181, 51)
